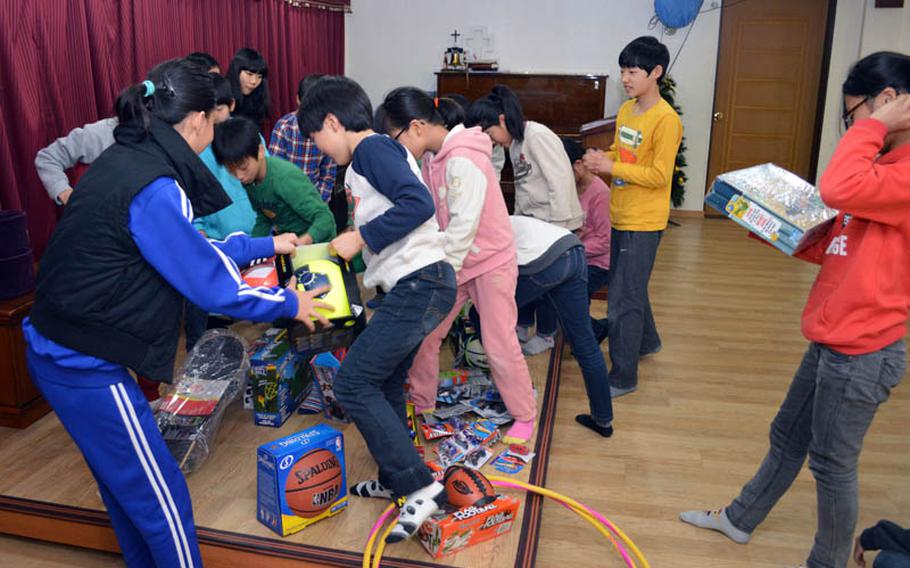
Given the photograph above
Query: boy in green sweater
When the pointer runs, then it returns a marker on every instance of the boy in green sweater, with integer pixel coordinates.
(282, 195)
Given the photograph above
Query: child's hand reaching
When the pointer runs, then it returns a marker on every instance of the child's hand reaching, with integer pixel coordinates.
(347, 245)
(895, 114)
(307, 304)
(597, 162)
(285, 243)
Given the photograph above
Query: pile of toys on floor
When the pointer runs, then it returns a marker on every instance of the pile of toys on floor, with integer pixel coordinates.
(302, 477)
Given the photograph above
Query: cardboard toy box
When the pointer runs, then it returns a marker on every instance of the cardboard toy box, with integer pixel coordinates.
(267, 337)
(314, 266)
(776, 205)
(280, 379)
(301, 479)
(446, 534)
(325, 368)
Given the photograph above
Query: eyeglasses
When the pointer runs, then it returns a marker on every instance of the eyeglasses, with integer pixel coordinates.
(847, 117)
(400, 132)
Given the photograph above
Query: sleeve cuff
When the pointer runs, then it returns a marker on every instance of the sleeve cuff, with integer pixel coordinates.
(262, 247)
(367, 235)
(291, 305)
(873, 125)
(867, 539)
(617, 169)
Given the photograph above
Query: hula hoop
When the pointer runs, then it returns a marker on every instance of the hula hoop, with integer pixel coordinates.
(586, 516)
(585, 512)
(559, 497)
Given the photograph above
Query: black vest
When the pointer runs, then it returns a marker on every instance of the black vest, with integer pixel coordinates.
(96, 293)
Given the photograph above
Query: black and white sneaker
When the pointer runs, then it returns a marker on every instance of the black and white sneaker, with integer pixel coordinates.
(371, 488)
(417, 508)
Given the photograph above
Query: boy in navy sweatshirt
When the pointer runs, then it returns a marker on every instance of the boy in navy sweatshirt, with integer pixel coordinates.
(395, 227)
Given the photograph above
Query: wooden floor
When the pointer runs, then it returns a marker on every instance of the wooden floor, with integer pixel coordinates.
(728, 310)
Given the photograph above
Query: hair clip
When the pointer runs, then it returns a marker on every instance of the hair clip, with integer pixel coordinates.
(149, 89)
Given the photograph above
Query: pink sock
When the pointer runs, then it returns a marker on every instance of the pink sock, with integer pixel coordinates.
(519, 433)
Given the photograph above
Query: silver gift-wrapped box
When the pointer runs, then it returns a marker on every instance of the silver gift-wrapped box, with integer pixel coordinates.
(774, 203)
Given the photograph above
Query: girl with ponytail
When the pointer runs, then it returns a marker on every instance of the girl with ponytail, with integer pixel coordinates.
(544, 180)
(478, 243)
(111, 290)
(544, 187)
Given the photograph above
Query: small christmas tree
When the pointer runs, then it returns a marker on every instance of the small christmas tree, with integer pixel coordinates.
(678, 189)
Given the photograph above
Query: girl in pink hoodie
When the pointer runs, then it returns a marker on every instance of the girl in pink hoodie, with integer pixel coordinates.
(471, 211)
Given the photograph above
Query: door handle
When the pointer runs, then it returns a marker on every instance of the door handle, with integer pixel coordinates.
(718, 116)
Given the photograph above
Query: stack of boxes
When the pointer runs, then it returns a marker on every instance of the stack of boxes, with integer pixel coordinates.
(775, 204)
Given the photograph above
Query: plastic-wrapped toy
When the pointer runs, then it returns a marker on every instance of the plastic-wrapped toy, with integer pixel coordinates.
(454, 449)
(192, 408)
(773, 203)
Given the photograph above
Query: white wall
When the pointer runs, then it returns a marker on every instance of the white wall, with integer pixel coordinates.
(390, 43)
(859, 29)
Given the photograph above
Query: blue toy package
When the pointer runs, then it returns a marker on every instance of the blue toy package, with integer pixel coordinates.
(301, 479)
(774, 204)
(280, 379)
(325, 368)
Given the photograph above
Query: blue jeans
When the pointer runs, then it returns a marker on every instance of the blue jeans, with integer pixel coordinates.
(370, 383)
(632, 328)
(892, 559)
(547, 322)
(564, 286)
(597, 278)
(828, 409)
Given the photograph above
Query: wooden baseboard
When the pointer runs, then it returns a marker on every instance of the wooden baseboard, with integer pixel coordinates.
(25, 416)
(685, 213)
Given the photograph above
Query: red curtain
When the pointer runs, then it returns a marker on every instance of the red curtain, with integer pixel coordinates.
(63, 62)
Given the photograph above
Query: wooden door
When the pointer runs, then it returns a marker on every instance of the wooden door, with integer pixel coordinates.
(770, 64)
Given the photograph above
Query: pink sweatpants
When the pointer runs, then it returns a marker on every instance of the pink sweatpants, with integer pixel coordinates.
(493, 294)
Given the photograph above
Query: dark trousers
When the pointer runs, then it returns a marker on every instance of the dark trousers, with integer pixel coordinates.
(543, 314)
(563, 286)
(370, 383)
(632, 328)
(825, 416)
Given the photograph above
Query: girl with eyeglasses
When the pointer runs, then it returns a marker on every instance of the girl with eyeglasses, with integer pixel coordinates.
(472, 213)
(855, 318)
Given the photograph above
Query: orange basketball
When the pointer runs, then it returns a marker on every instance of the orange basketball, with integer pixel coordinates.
(466, 487)
(313, 484)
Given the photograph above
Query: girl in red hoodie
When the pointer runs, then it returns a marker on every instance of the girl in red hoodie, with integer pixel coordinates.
(855, 318)
(471, 211)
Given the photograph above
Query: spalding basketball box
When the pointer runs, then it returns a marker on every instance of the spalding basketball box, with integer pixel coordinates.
(301, 479)
(315, 266)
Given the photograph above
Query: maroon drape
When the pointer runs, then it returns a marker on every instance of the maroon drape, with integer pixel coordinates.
(63, 62)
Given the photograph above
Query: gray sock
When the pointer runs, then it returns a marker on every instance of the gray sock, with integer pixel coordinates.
(715, 520)
(616, 392)
(537, 344)
(524, 333)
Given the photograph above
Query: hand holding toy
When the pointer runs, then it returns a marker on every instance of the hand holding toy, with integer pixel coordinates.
(307, 304)
(285, 243)
(347, 245)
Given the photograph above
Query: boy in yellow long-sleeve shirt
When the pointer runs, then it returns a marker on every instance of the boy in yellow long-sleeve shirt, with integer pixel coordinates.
(641, 160)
